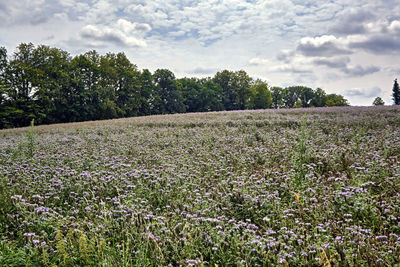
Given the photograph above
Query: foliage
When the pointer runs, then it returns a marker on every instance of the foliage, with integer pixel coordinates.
(378, 101)
(396, 93)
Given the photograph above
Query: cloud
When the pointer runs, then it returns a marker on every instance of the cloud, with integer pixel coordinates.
(379, 44)
(364, 93)
(323, 46)
(342, 64)
(359, 70)
(336, 63)
(109, 35)
(204, 71)
(259, 61)
(352, 22)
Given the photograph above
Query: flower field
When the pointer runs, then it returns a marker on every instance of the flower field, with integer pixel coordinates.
(313, 187)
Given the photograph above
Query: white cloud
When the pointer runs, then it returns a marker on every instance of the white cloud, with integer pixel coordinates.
(109, 35)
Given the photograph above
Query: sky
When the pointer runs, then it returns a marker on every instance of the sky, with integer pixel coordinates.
(346, 47)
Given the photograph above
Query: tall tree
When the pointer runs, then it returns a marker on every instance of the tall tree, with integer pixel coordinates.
(85, 76)
(242, 82)
(51, 82)
(396, 93)
(225, 79)
(261, 97)
(235, 87)
(190, 88)
(319, 98)
(148, 95)
(18, 77)
(210, 96)
(171, 99)
(291, 95)
(277, 97)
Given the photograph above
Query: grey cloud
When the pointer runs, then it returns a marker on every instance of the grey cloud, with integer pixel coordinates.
(352, 22)
(200, 70)
(342, 64)
(366, 92)
(327, 49)
(379, 44)
(336, 63)
(360, 70)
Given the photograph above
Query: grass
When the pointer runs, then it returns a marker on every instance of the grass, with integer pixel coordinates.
(247, 188)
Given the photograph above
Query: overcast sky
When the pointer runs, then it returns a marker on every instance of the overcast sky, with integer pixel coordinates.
(346, 47)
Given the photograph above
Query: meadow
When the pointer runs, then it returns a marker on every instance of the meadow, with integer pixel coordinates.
(312, 187)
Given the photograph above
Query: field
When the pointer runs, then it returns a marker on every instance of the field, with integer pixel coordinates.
(251, 188)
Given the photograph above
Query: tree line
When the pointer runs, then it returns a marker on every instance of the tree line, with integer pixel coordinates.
(50, 86)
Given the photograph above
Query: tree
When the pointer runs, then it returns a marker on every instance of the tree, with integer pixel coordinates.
(235, 87)
(210, 96)
(336, 100)
(378, 102)
(277, 97)
(171, 99)
(149, 98)
(261, 97)
(225, 80)
(291, 95)
(396, 93)
(18, 77)
(319, 98)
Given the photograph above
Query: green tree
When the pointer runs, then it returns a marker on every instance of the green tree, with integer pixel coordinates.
(190, 88)
(51, 82)
(210, 96)
(18, 76)
(396, 93)
(225, 79)
(3, 97)
(291, 95)
(121, 93)
(235, 87)
(85, 76)
(261, 97)
(336, 100)
(319, 98)
(171, 99)
(306, 96)
(242, 91)
(378, 101)
(277, 97)
(149, 98)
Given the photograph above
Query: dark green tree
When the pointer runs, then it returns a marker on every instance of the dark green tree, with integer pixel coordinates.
(171, 99)
(235, 87)
(378, 101)
(210, 96)
(306, 96)
(319, 98)
(291, 95)
(149, 98)
(396, 93)
(51, 82)
(18, 78)
(277, 97)
(190, 88)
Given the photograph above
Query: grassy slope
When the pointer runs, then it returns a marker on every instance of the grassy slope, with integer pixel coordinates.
(313, 186)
